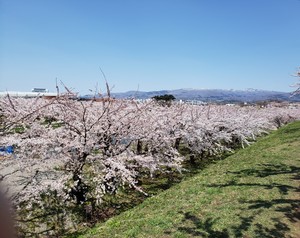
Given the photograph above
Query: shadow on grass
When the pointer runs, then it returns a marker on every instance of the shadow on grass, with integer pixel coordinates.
(200, 228)
(205, 228)
(283, 207)
(289, 207)
(280, 229)
(268, 169)
(283, 189)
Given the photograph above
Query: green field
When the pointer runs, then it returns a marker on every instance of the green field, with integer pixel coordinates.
(253, 193)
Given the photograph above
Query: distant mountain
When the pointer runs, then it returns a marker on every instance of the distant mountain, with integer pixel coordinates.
(213, 95)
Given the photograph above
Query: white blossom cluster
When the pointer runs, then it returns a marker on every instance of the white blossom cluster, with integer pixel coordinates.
(297, 85)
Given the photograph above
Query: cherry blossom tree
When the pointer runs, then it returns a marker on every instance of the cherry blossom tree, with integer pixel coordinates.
(212, 130)
(79, 150)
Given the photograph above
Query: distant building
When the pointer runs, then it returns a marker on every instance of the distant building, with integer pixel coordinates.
(40, 90)
(27, 94)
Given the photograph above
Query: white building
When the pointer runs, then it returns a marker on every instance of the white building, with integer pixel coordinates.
(27, 94)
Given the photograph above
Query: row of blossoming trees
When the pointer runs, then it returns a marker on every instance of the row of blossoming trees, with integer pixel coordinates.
(70, 154)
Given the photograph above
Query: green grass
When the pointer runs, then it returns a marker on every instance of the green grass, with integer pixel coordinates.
(253, 193)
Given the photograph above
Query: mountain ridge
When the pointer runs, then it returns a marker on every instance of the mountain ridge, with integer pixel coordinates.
(213, 95)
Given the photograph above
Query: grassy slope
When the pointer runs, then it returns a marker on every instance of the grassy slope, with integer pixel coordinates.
(254, 193)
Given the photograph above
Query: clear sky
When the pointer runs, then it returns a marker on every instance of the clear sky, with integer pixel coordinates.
(149, 44)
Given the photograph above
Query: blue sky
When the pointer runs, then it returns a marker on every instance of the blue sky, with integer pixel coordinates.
(149, 44)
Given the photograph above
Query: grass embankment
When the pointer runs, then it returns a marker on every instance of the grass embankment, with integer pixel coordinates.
(253, 193)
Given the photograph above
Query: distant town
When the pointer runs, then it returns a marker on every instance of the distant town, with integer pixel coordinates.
(191, 96)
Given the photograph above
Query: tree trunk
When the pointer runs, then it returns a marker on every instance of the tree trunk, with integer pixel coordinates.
(177, 143)
(192, 159)
(139, 147)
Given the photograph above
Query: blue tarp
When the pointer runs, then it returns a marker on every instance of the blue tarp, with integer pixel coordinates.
(7, 149)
